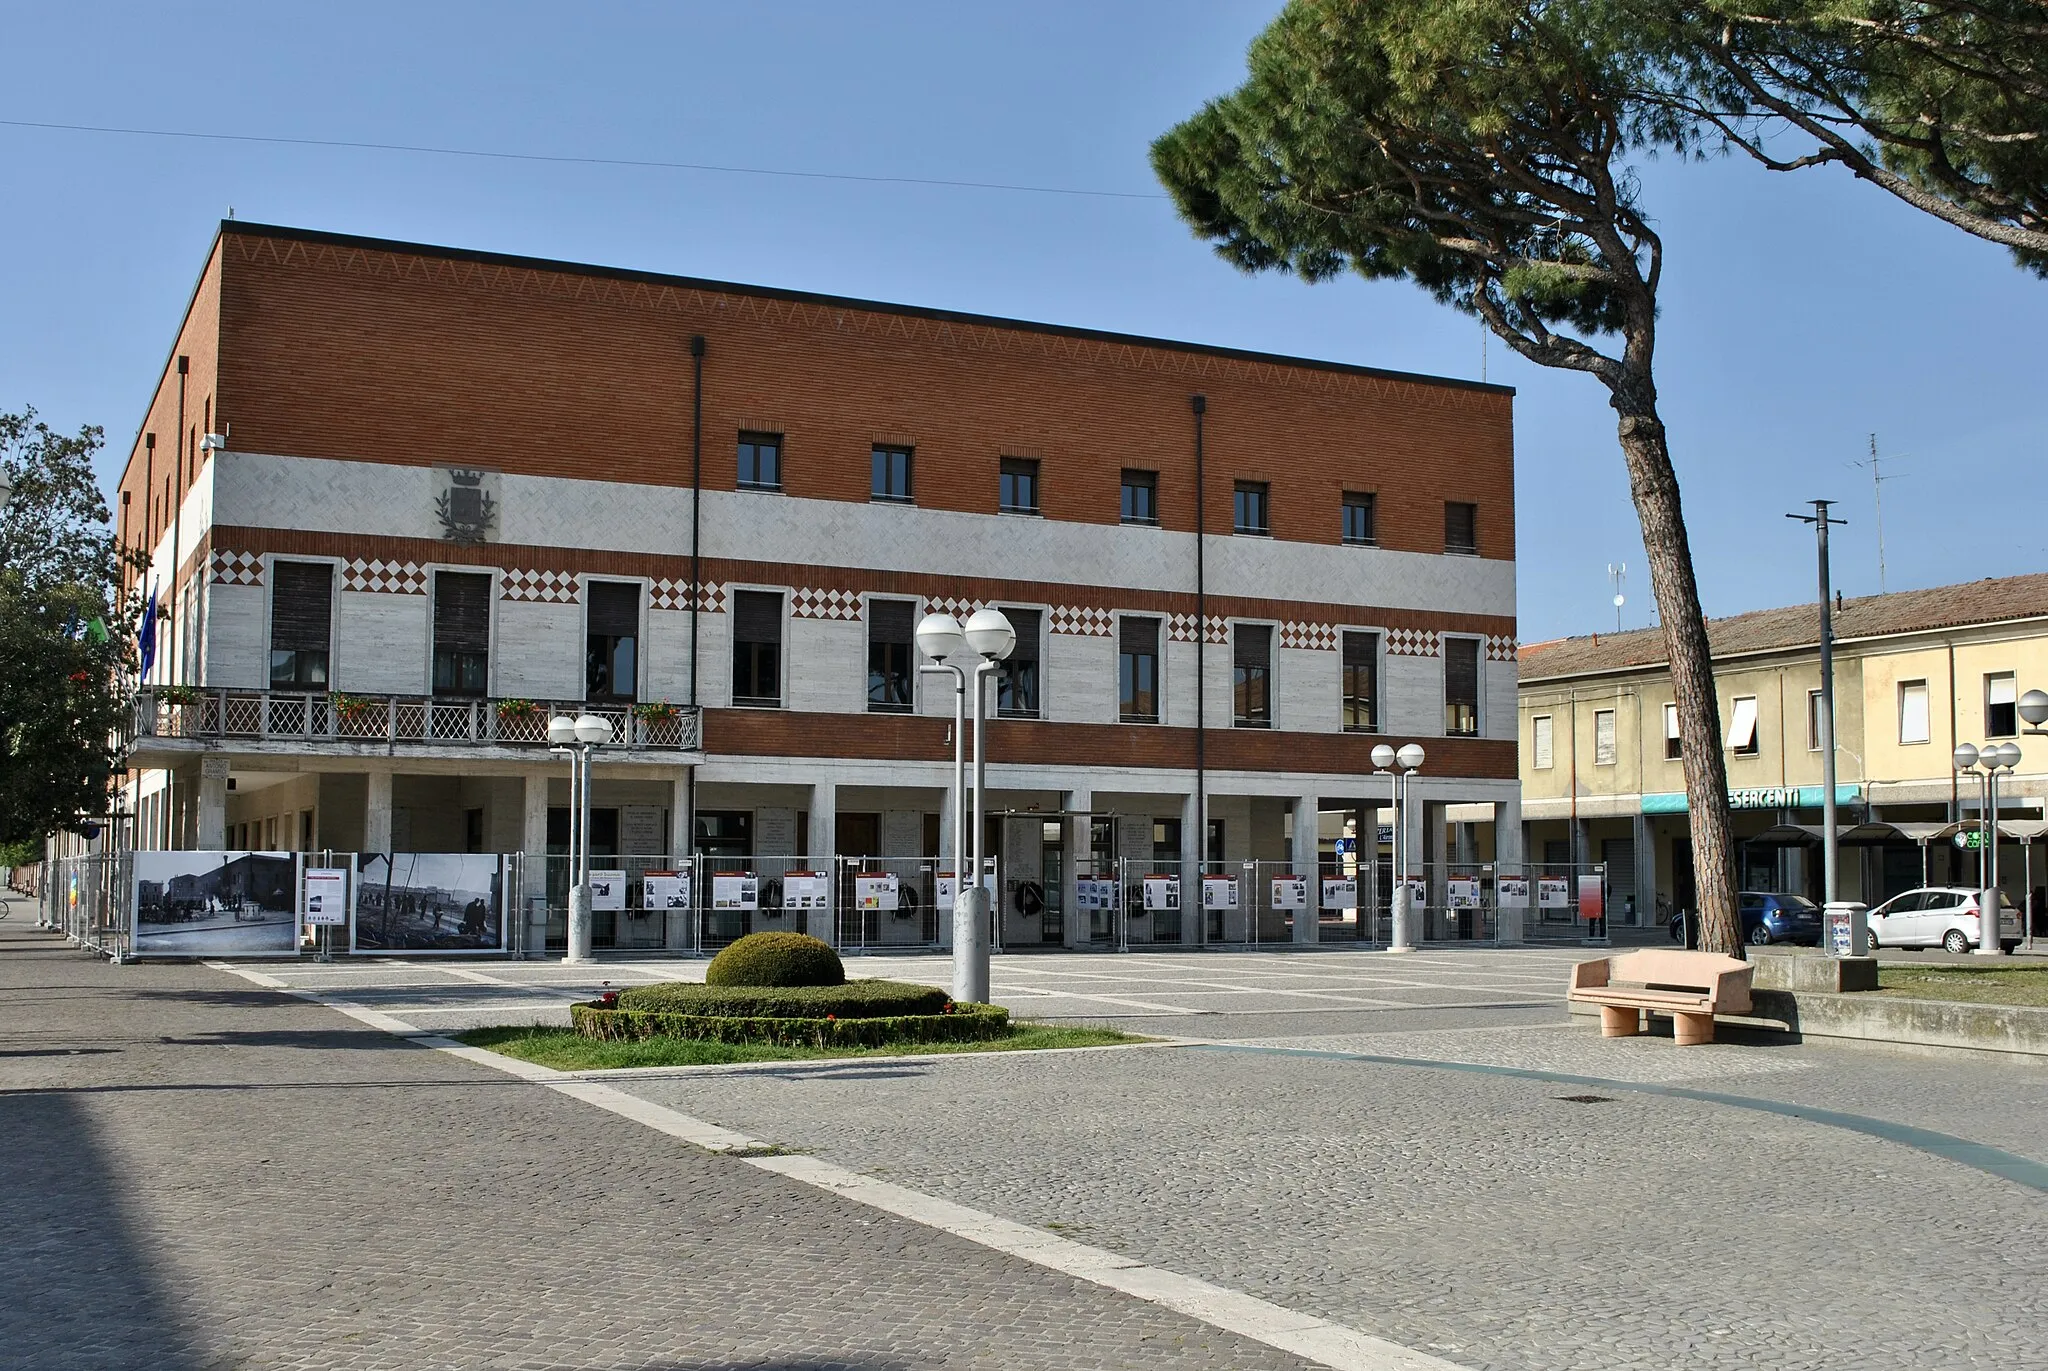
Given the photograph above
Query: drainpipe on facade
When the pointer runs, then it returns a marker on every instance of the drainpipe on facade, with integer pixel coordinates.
(696, 572)
(1200, 405)
(178, 515)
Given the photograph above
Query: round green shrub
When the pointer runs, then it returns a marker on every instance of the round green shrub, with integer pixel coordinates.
(777, 959)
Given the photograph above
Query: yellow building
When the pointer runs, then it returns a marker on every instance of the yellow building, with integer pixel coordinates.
(1916, 672)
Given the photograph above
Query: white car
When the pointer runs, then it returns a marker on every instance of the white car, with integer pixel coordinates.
(1944, 916)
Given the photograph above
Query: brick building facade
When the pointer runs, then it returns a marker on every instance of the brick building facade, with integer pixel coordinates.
(392, 492)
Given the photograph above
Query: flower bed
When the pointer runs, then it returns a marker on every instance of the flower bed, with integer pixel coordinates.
(963, 1023)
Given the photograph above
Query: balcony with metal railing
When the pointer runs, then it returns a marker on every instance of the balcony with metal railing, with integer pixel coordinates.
(268, 718)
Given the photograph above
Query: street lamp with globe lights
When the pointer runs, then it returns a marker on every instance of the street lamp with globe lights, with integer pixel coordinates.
(940, 638)
(577, 738)
(990, 637)
(1988, 761)
(1398, 765)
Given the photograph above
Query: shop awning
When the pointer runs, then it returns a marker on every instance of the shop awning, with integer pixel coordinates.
(1876, 832)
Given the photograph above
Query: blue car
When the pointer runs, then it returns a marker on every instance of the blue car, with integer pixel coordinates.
(1767, 918)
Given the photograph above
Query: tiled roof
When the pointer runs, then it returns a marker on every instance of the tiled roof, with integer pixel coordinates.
(1795, 626)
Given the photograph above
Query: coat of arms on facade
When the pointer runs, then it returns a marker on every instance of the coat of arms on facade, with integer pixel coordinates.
(466, 503)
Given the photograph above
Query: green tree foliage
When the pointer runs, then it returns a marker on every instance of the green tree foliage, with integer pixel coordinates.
(1943, 103)
(1480, 149)
(64, 640)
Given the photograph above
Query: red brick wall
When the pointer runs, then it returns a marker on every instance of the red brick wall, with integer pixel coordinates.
(154, 486)
(371, 352)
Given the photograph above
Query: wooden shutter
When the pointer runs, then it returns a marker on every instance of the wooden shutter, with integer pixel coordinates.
(1138, 637)
(1461, 671)
(891, 621)
(756, 617)
(462, 611)
(301, 606)
(1254, 645)
(614, 609)
(1025, 621)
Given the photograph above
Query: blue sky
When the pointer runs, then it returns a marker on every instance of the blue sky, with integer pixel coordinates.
(1800, 314)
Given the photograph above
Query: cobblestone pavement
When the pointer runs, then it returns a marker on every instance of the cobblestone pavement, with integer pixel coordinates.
(198, 1174)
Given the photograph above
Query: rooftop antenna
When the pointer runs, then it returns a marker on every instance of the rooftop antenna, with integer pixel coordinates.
(1617, 576)
(1877, 480)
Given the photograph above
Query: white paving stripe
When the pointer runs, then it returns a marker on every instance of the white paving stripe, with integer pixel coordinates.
(1314, 1339)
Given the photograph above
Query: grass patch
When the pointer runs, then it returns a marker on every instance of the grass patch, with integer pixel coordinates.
(565, 1049)
(2026, 985)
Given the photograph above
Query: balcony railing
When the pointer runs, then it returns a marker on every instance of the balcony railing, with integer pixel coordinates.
(203, 712)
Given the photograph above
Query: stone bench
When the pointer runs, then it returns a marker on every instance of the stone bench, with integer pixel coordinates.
(1691, 987)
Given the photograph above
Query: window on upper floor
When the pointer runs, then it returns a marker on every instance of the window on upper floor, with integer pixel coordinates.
(1018, 482)
(760, 461)
(1673, 748)
(757, 648)
(891, 673)
(1360, 528)
(1540, 743)
(1461, 687)
(1137, 670)
(1140, 496)
(1461, 528)
(1813, 720)
(462, 632)
(1603, 737)
(1017, 674)
(1249, 508)
(1252, 675)
(1361, 682)
(1742, 730)
(301, 624)
(891, 474)
(2001, 705)
(1913, 711)
(612, 626)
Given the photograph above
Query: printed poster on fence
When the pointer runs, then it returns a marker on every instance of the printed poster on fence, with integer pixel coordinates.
(1553, 892)
(1219, 892)
(608, 891)
(665, 890)
(1592, 897)
(1162, 893)
(429, 902)
(190, 904)
(1340, 892)
(1511, 892)
(1462, 892)
(876, 890)
(1290, 892)
(948, 887)
(736, 890)
(326, 896)
(1095, 893)
(806, 890)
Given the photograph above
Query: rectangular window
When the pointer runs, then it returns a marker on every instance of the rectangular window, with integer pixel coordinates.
(1166, 853)
(1017, 676)
(1141, 497)
(1019, 482)
(1359, 528)
(1137, 671)
(301, 624)
(1813, 718)
(1603, 737)
(1912, 711)
(1461, 687)
(2001, 706)
(1250, 508)
(612, 664)
(757, 648)
(1672, 748)
(1742, 735)
(891, 474)
(890, 680)
(760, 461)
(1361, 667)
(1461, 528)
(1252, 676)
(462, 632)
(1541, 743)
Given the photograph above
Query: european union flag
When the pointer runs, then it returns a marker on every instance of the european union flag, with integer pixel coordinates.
(145, 636)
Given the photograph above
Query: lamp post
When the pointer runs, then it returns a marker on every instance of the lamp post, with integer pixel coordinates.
(579, 737)
(939, 638)
(991, 638)
(1988, 760)
(1408, 759)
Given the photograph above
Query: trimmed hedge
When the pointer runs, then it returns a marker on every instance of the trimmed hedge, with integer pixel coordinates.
(967, 1023)
(871, 999)
(777, 959)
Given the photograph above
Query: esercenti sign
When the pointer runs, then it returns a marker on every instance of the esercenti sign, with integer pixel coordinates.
(1757, 797)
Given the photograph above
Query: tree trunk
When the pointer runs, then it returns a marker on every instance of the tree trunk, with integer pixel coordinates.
(1655, 487)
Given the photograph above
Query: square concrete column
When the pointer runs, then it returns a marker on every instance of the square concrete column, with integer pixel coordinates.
(1078, 920)
(1193, 844)
(1646, 871)
(1307, 858)
(533, 848)
(821, 923)
(212, 821)
(948, 813)
(681, 822)
(377, 812)
(1509, 859)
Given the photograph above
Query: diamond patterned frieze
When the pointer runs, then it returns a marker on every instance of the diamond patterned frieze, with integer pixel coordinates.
(1413, 642)
(1500, 647)
(386, 578)
(825, 604)
(237, 568)
(1080, 621)
(552, 587)
(1318, 637)
(668, 594)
